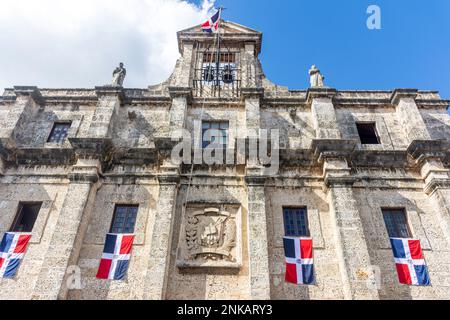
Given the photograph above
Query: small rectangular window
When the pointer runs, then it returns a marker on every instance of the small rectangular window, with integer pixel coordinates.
(124, 219)
(368, 133)
(215, 132)
(26, 217)
(295, 222)
(59, 132)
(396, 223)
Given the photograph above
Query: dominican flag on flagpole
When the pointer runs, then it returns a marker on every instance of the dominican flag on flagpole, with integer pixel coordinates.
(116, 256)
(409, 261)
(212, 25)
(12, 250)
(299, 260)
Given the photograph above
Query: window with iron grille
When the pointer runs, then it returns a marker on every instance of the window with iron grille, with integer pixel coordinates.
(396, 223)
(59, 132)
(26, 217)
(219, 70)
(215, 132)
(124, 219)
(368, 133)
(295, 222)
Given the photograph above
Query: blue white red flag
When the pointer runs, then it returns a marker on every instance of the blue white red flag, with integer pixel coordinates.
(12, 250)
(409, 261)
(299, 260)
(212, 25)
(116, 256)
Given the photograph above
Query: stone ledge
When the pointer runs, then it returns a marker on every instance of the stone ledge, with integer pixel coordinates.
(434, 184)
(422, 149)
(176, 92)
(110, 91)
(31, 91)
(322, 148)
(252, 93)
(399, 94)
(320, 92)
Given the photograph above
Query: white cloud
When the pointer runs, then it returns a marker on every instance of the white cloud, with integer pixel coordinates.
(78, 43)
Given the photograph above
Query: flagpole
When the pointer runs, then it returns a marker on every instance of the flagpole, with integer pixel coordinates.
(218, 48)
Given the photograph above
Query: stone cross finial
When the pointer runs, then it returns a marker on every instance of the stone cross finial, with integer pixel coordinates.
(316, 78)
(119, 75)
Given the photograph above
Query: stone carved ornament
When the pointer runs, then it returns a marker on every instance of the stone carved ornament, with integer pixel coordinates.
(210, 234)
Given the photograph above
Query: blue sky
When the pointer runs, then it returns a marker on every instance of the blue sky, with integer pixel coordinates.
(412, 50)
(77, 43)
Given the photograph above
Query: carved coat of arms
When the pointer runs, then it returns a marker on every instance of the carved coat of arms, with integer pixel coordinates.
(210, 234)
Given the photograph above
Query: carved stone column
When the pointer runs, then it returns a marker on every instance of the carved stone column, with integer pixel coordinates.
(257, 237)
(351, 245)
(157, 272)
(66, 241)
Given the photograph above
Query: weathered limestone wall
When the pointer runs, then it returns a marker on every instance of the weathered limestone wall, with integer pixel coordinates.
(136, 126)
(437, 122)
(294, 123)
(422, 215)
(328, 281)
(145, 195)
(52, 195)
(388, 126)
(217, 283)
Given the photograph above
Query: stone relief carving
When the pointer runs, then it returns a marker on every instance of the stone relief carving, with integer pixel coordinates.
(210, 234)
(209, 238)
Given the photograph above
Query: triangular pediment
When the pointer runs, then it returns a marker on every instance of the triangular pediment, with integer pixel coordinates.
(226, 27)
(229, 31)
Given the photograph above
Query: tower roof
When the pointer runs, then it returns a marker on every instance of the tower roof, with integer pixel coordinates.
(230, 31)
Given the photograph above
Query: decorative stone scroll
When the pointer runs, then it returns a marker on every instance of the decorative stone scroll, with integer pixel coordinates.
(210, 237)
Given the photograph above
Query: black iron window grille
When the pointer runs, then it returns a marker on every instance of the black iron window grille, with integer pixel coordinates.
(296, 222)
(124, 219)
(59, 132)
(396, 223)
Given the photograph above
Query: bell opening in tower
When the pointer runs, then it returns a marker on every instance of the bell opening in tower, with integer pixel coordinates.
(217, 72)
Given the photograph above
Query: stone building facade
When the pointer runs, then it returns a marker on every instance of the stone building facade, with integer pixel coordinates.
(118, 152)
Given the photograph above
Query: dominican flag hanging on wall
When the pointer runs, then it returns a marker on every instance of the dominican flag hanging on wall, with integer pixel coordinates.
(116, 256)
(299, 260)
(212, 25)
(409, 261)
(12, 250)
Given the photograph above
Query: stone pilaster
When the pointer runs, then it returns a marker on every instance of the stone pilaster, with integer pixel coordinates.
(184, 66)
(178, 111)
(158, 265)
(437, 186)
(2, 166)
(408, 114)
(252, 98)
(26, 105)
(109, 101)
(351, 245)
(323, 113)
(65, 244)
(257, 238)
(249, 69)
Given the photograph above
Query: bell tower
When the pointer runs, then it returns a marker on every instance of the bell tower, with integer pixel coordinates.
(221, 64)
